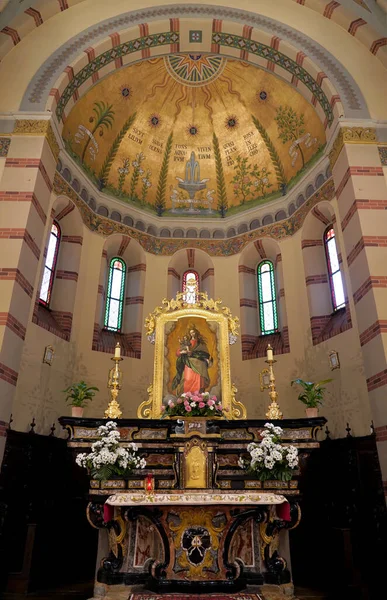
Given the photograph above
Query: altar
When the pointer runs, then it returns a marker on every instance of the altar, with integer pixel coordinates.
(189, 516)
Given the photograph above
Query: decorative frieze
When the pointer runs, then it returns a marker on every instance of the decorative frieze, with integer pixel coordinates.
(351, 135)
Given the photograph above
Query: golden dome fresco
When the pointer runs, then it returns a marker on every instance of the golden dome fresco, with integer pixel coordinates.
(193, 134)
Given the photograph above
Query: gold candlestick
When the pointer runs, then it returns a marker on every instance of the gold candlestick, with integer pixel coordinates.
(274, 409)
(113, 410)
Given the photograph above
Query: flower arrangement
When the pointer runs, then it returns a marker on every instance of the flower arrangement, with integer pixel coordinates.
(270, 459)
(107, 458)
(194, 404)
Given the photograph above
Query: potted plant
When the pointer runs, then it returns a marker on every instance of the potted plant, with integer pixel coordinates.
(270, 459)
(78, 395)
(312, 394)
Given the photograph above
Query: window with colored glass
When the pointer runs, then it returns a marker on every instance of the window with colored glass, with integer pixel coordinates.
(334, 272)
(115, 295)
(50, 265)
(190, 286)
(268, 316)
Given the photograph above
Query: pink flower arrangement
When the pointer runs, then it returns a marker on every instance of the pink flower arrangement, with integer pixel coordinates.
(193, 404)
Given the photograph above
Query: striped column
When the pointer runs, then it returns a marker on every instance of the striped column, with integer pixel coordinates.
(25, 188)
(362, 201)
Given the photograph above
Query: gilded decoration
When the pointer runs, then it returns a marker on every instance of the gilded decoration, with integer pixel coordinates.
(38, 127)
(196, 535)
(168, 246)
(212, 328)
(195, 465)
(190, 134)
(181, 498)
(351, 135)
(4, 146)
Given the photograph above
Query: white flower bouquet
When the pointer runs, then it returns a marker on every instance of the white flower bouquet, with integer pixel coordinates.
(270, 459)
(107, 458)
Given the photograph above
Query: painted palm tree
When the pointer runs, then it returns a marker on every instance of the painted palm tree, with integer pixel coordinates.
(104, 119)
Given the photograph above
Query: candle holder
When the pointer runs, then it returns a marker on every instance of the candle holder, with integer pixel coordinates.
(149, 483)
(273, 411)
(113, 410)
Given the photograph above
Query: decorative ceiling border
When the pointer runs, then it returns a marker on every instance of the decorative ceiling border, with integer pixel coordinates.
(44, 79)
(168, 246)
(141, 43)
(353, 16)
(229, 40)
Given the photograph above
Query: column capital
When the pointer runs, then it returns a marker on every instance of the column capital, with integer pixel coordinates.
(351, 135)
(38, 127)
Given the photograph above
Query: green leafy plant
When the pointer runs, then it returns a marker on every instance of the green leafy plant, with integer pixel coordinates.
(78, 394)
(104, 118)
(221, 184)
(278, 166)
(107, 165)
(291, 127)
(162, 184)
(313, 392)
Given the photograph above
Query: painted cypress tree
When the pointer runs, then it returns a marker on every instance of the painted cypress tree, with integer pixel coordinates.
(162, 184)
(221, 185)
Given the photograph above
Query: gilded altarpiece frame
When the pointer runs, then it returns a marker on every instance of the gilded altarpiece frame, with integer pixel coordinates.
(215, 317)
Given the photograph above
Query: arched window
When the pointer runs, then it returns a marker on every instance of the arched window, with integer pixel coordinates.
(50, 265)
(266, 294)
(115, 295)
(334, 273)
(190, 286)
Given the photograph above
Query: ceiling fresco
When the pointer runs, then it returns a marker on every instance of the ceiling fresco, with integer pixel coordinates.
(193, 134)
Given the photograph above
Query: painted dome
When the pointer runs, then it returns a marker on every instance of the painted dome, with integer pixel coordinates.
(193, 135)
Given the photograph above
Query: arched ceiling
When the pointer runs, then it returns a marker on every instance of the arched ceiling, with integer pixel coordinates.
(360, 18)
(193, 134)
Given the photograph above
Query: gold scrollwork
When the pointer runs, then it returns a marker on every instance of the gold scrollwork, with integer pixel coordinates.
(38, 127)
(143, 412)
(203, 518)
(238, 409)
(351, 135)
(203, 302)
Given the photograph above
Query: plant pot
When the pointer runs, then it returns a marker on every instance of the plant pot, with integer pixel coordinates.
(77, 411)
(311, 412)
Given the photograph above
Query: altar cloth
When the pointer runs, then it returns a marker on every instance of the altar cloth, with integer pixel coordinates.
(193, 498)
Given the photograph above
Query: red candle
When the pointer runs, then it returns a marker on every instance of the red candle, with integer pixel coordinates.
(149, 483)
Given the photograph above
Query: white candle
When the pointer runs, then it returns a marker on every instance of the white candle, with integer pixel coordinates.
(269, 353)
(117, 351)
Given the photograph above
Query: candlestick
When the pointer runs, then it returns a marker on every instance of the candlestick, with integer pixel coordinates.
(113, 410)
(274, 409)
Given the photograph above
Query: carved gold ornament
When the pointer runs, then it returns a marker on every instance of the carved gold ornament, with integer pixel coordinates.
(351, 135)
(38, 127)
(203, 302)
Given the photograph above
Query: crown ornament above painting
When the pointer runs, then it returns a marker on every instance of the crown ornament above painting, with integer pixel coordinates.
(202, 302)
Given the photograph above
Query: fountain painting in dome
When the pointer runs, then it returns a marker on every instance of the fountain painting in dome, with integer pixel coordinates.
(193, 134)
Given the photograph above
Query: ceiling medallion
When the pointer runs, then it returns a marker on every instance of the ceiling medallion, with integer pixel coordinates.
(125, 91)
(194, 69)
(262, 95)
(231, 122)
(192, 130)
(154, 120)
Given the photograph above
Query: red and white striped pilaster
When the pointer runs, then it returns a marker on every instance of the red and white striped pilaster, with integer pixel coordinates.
(362, 201)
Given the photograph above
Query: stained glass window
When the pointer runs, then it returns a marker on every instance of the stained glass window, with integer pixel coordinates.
(266, 294)
(115, 295)
(334, 273)
(49, 265)
(190, 286)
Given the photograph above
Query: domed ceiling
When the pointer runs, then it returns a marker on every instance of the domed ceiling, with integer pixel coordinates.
(193, 134)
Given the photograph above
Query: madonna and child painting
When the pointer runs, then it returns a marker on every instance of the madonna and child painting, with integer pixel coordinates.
(191, 352)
